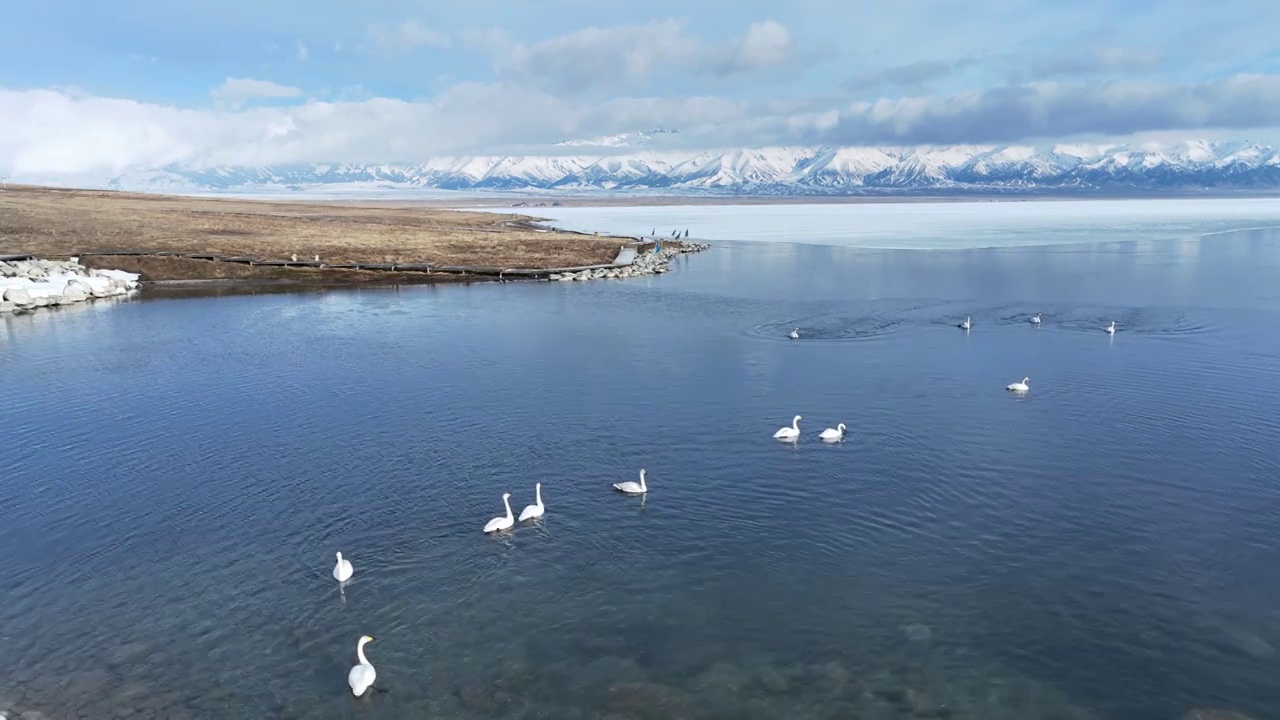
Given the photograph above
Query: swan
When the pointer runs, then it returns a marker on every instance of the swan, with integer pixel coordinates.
(361, 676)
(631, 487)
(789, 432)
(966, 324)
(342, 571)
(835, 433)
(293, 257)
(1036, 320)
(795, 334)
(1112, 327)
(535, 510)
(1019, 386)
(502, 522)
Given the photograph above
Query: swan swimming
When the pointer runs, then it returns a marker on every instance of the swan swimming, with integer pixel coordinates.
(1036, 320)
(361, 676)
(966, 324)
(1112, 327)
(342, 571)
(502, 522)
(631, 487)
(835, 433)
(535, 510)
(795, 334)
(1019, 386)
(790, 432)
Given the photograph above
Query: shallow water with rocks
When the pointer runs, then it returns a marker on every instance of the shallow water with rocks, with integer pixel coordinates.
(180, 472)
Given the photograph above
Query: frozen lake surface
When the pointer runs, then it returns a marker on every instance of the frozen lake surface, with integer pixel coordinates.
(931, 225)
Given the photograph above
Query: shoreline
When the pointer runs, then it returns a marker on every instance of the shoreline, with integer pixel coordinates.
(230, 241)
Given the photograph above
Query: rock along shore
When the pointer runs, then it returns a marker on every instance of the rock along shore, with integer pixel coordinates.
(649, 263)
(29, 284)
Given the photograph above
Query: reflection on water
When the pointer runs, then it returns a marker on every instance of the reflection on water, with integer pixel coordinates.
(180, 473)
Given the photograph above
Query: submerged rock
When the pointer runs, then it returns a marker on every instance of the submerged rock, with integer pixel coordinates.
(1213, 714)
(917, 632)
(652, 701)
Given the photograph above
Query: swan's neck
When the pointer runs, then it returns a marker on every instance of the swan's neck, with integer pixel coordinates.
(360, 652)
(538, 493)
(339, 557)
(642, 485)
(795, 423)
(507, 502)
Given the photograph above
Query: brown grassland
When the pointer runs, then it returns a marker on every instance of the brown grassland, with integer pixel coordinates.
(54, 222)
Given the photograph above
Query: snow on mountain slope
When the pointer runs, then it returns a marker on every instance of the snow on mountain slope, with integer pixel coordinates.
(780, 170)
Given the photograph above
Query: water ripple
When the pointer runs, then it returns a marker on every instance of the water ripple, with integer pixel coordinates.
(183, 472)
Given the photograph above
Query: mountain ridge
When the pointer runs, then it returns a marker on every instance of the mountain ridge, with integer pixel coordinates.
(781, 171)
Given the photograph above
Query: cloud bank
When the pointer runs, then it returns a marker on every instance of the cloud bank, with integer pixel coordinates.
(742, 89)
(64, 132)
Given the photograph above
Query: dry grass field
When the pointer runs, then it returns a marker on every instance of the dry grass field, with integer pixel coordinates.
(54, 222)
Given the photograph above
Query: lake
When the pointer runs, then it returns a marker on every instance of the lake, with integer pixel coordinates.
(181, 469)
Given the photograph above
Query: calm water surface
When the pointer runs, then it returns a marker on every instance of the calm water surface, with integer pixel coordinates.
(180, 471)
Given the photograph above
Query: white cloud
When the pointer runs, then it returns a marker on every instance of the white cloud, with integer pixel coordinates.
(629, 56)
(766, 44)
(596, 57)
(1048, 109)
(405, 37)
(65, 132)
(235, 91)
(302, 52)
(53, 132)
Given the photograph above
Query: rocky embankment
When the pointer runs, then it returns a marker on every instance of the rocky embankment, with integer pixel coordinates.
(649, 263)
(29, 284)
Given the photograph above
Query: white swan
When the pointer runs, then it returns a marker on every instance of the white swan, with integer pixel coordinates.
(789, 432)
(1112, 327)
(795, 334)
(535, 510)
(835, 433)
(342, 571)
(1036, 320)
(631, 487)
(502, 522)
(361, 676)
(966, 324)
(1019, 386)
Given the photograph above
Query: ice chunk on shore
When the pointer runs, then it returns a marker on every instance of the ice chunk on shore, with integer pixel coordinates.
(37, 283)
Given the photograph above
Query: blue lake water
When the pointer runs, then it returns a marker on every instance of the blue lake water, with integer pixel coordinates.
(179, 472)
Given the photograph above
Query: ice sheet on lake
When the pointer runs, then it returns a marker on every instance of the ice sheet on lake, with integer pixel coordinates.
(930, 225)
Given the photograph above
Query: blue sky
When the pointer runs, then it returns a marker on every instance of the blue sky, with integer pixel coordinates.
(249, 81)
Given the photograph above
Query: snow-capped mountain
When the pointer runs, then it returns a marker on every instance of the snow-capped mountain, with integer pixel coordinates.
(780, 171)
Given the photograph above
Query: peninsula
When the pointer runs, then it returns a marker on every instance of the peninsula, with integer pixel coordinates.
(180, 238)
